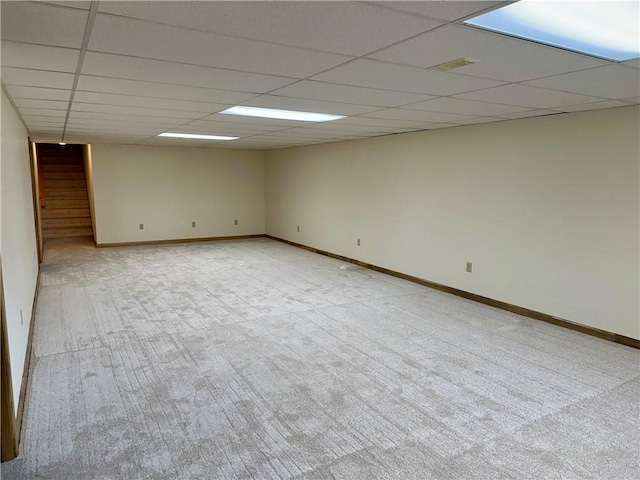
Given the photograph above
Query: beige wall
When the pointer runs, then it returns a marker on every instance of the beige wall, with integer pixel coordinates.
(547, 209)
(17, 239)
(166, 188)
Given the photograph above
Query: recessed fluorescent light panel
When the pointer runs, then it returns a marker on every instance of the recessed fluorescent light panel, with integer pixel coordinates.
(197, 137)
(281, 114)
(606, 29)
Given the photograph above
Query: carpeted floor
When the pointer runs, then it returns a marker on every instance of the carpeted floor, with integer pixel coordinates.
(255, 359)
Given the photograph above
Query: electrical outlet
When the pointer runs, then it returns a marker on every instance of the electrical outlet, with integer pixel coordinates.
(181, 224)
(358, 242)
(21, 319)
(193, 224)
(469, 267)
(235, 222)
(142, 226)
(298, 228)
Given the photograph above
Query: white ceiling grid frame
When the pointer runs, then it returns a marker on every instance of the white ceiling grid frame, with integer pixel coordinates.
(330, 27)
(135, 38)
(39, 57)
(502, 58)
(611, 81)
(143, 87)
(83, 51)
(161, 91)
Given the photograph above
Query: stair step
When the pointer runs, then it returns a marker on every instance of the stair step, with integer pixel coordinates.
(66, 203)
(56, 176)
(62, 168)
(49, 159)
(65, 213)
(80, 240)
(66, 232)
(65, 222)
(64, 184)
(55, 194)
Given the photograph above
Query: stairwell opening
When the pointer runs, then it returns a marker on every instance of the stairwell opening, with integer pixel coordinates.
(65, 193)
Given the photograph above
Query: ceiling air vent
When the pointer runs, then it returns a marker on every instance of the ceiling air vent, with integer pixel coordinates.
(450, 65)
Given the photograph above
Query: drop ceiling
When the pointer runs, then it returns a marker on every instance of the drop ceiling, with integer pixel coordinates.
(124, 72)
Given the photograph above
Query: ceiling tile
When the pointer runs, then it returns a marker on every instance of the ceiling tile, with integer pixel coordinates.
(225, 121)
(312, 133)
(417, 115)
(635, 63)
(38, 93)
(33, 103)
(43, 112)
(472, 121)
(127, 126)
(160, 90)
(337, 126)
(594, 106)
(117, 127)
(464, 107)
(80, 116)
(39, 57)
(342, 27)
(306, 105)
(613, 81)
(378, 122)
(119, 66)
(440, 9)
(36, 78)
(374, 74)
(147, 102)
(528, 96)
(72, 3)
(501, 57)
(48, 131)
(43, 119)
(41, 23)
(128, 110)
(38, 120)
(348, 94)
(530, 113)
(161, 42)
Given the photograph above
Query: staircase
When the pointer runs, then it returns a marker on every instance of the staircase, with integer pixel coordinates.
(63, 195)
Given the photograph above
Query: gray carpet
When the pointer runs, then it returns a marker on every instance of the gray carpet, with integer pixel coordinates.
(255, 359)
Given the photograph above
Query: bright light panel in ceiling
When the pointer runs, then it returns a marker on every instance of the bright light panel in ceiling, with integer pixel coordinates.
(606, 29)
(281, 114)
(196, 137)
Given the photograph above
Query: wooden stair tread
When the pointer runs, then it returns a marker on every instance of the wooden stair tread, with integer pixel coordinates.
(66, 232)
(64, 184)
(60, 194)
(54, 160)
(65, 213)
(48, 223)
(62, 168)
(56, 176)
(67, 203)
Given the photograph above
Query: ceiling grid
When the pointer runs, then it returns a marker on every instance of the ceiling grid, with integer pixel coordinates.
(126, 71)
